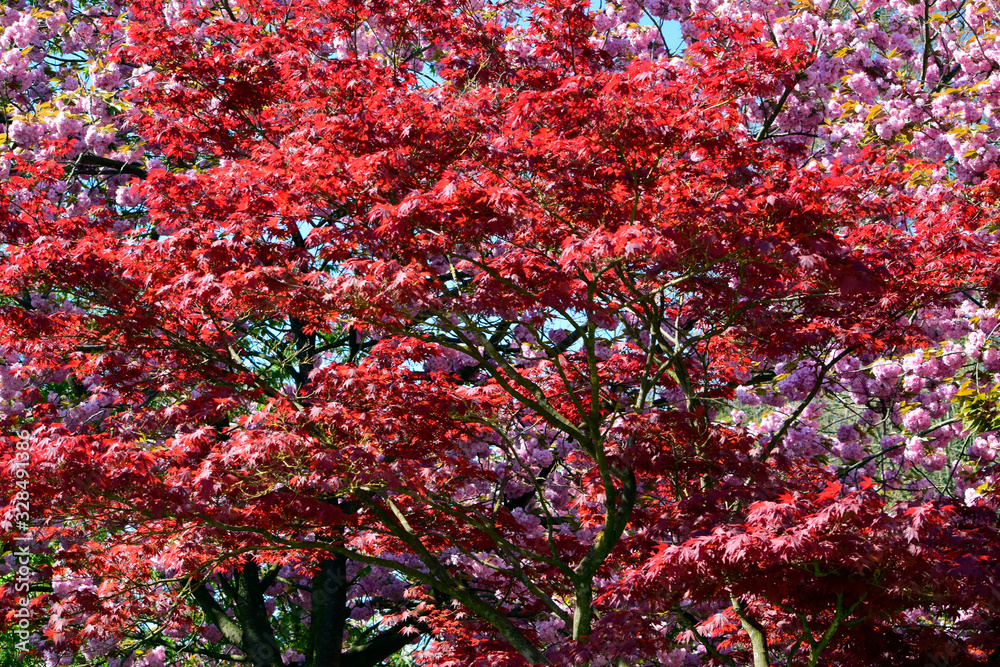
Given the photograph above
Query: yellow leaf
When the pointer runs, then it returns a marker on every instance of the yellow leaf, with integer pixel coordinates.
(966, 389)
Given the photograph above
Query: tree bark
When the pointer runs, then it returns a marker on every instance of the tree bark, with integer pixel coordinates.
(259, 643)
(329, 614)
(758, 640)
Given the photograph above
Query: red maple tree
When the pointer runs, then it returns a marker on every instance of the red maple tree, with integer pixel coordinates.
(433, 331)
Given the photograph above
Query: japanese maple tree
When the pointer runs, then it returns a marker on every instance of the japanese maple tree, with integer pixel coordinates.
(500, 331)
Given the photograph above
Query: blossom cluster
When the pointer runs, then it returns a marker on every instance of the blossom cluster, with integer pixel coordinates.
(909, 420)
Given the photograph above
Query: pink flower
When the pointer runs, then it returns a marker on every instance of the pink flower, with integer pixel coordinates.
(916, 420)
(913, 383)
(747, 396)
(936, 461)
(153, 659)
(991, 359)
(887, 370)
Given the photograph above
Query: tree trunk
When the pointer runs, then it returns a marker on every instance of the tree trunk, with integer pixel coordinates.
(329, 613)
